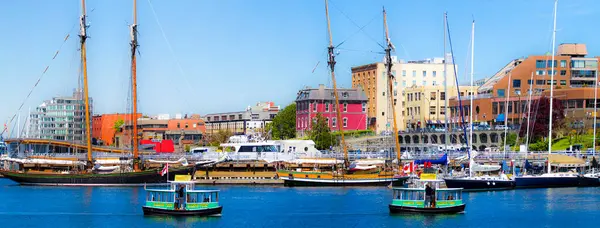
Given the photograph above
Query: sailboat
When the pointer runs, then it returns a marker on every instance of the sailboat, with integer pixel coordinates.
(549, 179)
(344, 176)
(91, 175)
(484, 182)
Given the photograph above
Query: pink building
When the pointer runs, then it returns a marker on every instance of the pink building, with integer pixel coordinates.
(353, 107)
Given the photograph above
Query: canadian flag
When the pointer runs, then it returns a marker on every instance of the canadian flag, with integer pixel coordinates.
(165, 170)
(409, 167)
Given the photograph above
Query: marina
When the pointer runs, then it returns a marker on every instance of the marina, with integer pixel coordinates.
(303, 207)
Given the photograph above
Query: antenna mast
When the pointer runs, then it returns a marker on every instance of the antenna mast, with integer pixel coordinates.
(134, 45)
(388, 65)
(83, 36)
(331, 63)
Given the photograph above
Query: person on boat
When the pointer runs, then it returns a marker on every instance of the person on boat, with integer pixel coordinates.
(429, 192)
(180, 194)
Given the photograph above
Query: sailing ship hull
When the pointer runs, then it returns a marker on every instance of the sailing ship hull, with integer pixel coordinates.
(479, 185)
(546, 182)
(111, 179)
(204, 212)
(310, 182)
(444, 210)
(589, 182)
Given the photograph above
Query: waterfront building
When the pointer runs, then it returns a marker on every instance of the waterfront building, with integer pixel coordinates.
(372, 78)
(310, 101)
(574, 81)
(103, 126)
(61, 118)
(251, 120)
(425, 105)
(184, 131)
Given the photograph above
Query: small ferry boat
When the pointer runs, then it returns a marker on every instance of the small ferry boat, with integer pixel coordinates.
(415, 199)
(182, 199)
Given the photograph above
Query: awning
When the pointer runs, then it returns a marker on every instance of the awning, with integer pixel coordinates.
(500, 118)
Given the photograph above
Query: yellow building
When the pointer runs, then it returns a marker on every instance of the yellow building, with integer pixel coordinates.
(425, 105)
(373, 80)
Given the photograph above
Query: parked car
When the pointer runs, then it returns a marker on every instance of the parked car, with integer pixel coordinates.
(501, 127)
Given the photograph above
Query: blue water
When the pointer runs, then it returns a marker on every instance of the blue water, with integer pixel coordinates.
(30, 206)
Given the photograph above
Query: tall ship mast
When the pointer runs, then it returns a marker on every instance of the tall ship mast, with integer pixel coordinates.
(388, 64)
(93, 173)
(370, 176)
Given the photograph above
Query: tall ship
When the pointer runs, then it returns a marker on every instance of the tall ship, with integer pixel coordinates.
(342, 172)
(123, 170)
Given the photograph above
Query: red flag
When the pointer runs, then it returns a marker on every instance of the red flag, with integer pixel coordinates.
(165, 170)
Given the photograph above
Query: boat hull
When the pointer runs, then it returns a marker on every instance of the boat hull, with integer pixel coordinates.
(589, 182)
(112, 179)
(479, 185)
(546, 182)
(309, 182)
(204, 212)
(444, 210)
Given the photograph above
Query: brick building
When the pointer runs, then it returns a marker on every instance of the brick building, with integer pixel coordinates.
(310, 101)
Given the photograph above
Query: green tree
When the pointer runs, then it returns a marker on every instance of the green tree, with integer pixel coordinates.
(118, 124)
(284, 123)
(321, 134)
(222, 136)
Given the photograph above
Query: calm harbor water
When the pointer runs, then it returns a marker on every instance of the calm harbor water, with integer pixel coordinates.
(30, 206)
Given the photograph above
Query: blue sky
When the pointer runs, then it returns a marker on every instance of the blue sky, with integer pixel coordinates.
(229, 54)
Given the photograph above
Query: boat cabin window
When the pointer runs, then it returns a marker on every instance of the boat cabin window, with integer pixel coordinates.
(448, 195)
(409, 194)
(160, 196)
(258, 148)
(202, 197)
(199, 150)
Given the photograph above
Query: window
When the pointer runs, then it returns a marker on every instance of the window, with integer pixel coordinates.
(529, 82)
(434, 73)
(414, 73)
(315, 106)
(382, 113)
(550, 72)
(442, 110)
(500, 92)
(517, 91)
(404, 83)
(432, 96)
(327, 121)
(345, 107)
(549, 63)
(563, 63)
(383, 94)
(424, 82)
(326, 106)
(364, 107)
(414, 82)
(333, 122)
(404, 73)
(178, 125)
(516, 83)
(434, 83)
(563, 72)
(345, 121)
(540, 72)
(540, 82)
(442, 95)
(550, 82)
(563, 82)
(540, 64)
(186, 125)
(431, 110)
(424, 73)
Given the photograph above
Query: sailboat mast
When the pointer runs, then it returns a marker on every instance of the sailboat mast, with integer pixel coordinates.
(331, 63)
(446, 139)
(595, 113)
(529, 112)
(506, 112)
(83, 37)
(134, 45)
(552, 87)
(472, 94)
(388, 64)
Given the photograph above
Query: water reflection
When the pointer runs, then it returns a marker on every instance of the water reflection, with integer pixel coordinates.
(181, 221)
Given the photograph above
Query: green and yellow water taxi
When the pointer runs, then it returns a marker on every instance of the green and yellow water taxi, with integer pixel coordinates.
(181, 198)
(428, 197)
